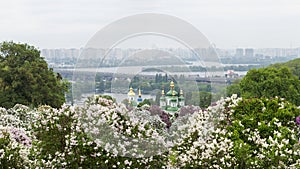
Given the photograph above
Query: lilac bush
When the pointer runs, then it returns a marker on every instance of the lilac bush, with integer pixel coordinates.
(15, 138)
(188, 110)
(245, 133)
(234, 132)
(298, 120)
(165, 117)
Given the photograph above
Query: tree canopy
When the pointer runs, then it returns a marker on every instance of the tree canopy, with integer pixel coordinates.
(294, 65)
(270, 82)
(26, 79)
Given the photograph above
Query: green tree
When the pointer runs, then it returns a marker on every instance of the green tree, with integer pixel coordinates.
(26, 79)
(166, 78)
(205, 99)
(160, 78)
(234, 88)
(271, 82)
(294, 65)
(146, 101)
(157, 98)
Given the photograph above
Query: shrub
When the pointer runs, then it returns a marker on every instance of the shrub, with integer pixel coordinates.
(233, 133)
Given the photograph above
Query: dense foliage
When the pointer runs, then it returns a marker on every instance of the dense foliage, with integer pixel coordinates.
(233, 133)
(264, 133)
(26, 79)
(294, 65)
(271, 82)
(268, 82)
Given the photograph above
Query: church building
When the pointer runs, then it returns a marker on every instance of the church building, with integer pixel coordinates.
(172, 101)
(131, 97)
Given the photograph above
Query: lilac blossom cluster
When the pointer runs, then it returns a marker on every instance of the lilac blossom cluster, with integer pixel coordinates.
(105, 134)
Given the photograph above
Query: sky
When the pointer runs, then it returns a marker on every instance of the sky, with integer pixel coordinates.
(227, 24)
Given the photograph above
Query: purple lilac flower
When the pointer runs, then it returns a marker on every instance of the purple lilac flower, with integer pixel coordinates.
(155, 110)
(188, 110)
(298, 120)
(166, 119)
(20, 137)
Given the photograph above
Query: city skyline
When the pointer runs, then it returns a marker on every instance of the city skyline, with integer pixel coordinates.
(121, 52)
(230, 24)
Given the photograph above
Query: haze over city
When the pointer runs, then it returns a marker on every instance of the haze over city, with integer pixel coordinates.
(227, 24)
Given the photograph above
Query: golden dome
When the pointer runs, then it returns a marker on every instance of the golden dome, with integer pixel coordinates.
(181, 92)
(162, 92)
(173, 93)
(131, 92)
(172, 85)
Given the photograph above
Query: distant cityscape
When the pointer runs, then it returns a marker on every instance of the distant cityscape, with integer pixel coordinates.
(64, 58)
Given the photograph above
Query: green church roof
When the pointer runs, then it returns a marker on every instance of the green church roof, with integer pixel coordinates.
(172, 108)
(173, 99)
(170, 93)
(163, 98)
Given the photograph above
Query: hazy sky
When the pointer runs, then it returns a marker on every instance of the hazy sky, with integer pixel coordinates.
(226, 23)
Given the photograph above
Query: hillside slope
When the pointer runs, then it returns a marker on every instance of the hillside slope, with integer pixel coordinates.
(294, 65)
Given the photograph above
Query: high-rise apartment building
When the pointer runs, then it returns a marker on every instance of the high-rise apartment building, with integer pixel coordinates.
(239, 52)
(249, 52)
